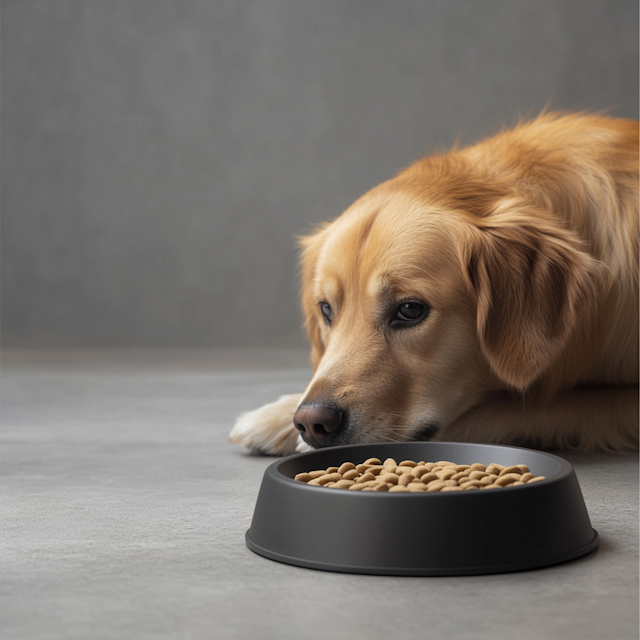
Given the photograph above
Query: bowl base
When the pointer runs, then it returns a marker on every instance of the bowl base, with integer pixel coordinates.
(426, 571)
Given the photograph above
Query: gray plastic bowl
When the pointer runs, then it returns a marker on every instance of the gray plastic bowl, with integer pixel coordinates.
(422, 534)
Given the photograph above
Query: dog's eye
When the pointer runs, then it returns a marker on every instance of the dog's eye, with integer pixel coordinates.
(326, 312)
(410, 313)
(410, 310)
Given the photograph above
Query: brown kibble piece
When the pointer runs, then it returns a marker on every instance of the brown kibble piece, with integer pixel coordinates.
(532, 480)
(391, 478)
(352, 474)
(344, 484)
(445, 474)
(405, 479)
(373, 461)
(346, 466)
(389, 462)
(525, 477)
(317, 474)
(512, 469)
(506, 479)
(363, 468)
(329, 477)
(408, 463)
(436, 485)
(398, 489)
(417, 487)
(428, 477)
(476, 466)
(418, 471)
(471, 483)
(448, 489)
(305, 477)
(365, 478)
(445, 463)
(403, 471)
(494, 468)
(332, 469)
(382, 486)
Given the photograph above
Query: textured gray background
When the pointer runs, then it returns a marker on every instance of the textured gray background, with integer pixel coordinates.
(159, 156)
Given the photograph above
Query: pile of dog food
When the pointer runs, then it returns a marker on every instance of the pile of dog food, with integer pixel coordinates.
(409, 476)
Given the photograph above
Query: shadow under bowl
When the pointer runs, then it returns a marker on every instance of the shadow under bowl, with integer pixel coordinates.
(422, 534)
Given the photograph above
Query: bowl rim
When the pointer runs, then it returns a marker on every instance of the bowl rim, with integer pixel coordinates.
(565, 469)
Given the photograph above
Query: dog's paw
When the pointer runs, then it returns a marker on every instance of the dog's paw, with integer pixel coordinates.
(269, 430)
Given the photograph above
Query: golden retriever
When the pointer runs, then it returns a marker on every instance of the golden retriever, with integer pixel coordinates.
(485, 295)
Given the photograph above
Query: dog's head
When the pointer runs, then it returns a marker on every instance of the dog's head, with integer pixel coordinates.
(424, 296)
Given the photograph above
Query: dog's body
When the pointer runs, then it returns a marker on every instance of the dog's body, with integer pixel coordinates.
(487, 295)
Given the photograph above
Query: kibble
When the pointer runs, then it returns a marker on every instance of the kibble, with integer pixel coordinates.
(408, 476)
(347, 466)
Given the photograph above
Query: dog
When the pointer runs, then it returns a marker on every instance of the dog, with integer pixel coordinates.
(489, 294)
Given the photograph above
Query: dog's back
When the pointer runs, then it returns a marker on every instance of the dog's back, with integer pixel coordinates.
(583, 168)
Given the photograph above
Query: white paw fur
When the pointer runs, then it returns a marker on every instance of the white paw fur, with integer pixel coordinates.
(269, 430)
(301, 445)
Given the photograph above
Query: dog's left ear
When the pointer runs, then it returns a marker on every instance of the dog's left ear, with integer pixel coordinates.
(532, 283)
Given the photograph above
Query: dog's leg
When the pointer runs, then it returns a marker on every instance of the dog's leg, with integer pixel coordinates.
(269, 430)
(585, 419)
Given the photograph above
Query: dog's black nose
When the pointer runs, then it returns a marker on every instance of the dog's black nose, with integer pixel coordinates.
(318, 424)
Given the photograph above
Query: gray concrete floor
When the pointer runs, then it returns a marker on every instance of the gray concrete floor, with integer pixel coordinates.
(124, 513)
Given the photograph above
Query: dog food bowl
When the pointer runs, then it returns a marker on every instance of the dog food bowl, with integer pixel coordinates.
(422, 534)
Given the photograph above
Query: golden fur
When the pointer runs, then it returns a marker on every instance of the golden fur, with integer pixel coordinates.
(525, 248)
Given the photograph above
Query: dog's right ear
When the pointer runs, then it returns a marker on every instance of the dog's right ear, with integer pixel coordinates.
(311, 246)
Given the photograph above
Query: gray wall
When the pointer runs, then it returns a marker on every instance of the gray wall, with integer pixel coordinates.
(159, 156)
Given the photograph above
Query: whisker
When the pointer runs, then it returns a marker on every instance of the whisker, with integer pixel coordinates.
(386, 438)
(402, 436)
(397, 415)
